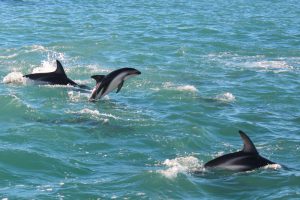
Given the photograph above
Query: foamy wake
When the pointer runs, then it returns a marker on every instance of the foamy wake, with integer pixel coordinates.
(171, 86)
(95, 114)
(180, 165)
(14, 77)
(226, 97)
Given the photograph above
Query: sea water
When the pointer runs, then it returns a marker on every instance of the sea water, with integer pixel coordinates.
(209, 69)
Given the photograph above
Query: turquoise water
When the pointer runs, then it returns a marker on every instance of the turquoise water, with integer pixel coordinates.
(208, 69)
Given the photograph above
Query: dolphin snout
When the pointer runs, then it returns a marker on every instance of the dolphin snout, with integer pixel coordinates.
(138, 72)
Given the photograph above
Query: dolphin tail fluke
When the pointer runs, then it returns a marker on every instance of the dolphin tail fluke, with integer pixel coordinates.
(98, 78)
(248, 144)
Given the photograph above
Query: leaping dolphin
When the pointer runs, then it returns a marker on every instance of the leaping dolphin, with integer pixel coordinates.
(246, 159)
(113, 80)
(58, 77)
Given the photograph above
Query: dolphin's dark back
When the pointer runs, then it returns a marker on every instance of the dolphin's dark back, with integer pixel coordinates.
(243, 161)
(246, 159)
(58, 77)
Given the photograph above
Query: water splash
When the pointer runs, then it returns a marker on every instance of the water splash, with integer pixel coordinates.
(226, 97)
(47, 66)
(180, 165)
(14, 77)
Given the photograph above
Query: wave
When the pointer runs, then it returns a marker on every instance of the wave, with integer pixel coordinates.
(276, 66)
(172, 86)
(257, 62)
(8, 56)
(180, 165)
(95, 69)
(95, 114)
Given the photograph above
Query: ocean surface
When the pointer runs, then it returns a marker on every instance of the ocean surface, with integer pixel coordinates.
(209, 69)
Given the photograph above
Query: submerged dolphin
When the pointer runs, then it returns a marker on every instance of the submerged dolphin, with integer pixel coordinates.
(246, 159)
(115, 79)
(58, 77)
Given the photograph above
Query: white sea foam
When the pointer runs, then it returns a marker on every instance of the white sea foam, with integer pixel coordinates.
(276, 66)
(180, 165)
(45, 188)
(226, 97)
(95, 114)
(74, 96)
(273, 166)
(171, 86)
(95, 69)
(189, 88)
(83, 82)
(45, 84)
(14, 77)
(257, 62)
(77, 96)
(9, 56)
(39, 48)
(89, 111)
(156, 89)
(218, 154)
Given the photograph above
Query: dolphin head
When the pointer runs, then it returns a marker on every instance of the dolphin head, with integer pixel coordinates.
(130, 72)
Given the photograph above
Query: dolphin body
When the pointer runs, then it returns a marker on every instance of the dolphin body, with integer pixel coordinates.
(58, 77)
(246, 159)
(107, 83)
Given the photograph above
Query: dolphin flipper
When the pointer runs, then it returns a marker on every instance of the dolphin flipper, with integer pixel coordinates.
(120, 86)
(248, 144)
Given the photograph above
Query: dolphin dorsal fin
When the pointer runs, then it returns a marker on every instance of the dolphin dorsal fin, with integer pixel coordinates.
(248, 144)
(98, 78)
(59, 68)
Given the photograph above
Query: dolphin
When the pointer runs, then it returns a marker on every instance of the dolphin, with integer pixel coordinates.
(58, 77)
(246, 159)
(107, 83)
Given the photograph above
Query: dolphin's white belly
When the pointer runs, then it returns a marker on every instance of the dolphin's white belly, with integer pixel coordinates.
(114, 83)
